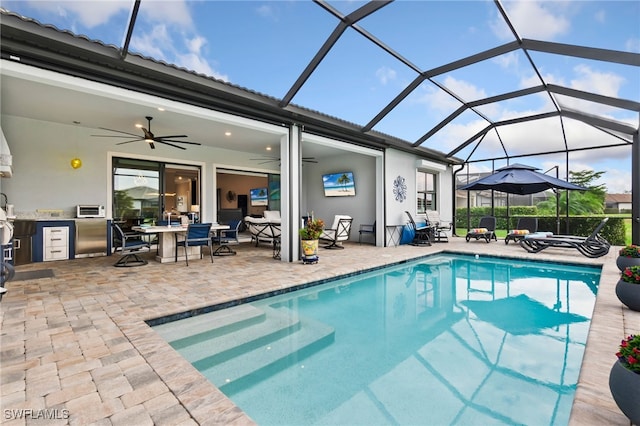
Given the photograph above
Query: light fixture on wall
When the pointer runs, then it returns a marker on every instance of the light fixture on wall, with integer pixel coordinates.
(76, 163)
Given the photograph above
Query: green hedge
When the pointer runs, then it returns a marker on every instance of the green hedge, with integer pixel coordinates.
(614, 230)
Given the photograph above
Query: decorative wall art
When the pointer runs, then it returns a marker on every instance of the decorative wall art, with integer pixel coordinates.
(400, 189)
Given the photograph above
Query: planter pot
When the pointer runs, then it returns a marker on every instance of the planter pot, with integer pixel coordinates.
(629, 294)
(624, 262)
(624, 385)
(309, 251)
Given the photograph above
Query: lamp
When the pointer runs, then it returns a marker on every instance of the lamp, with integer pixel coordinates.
(76, 163)
(194, 216)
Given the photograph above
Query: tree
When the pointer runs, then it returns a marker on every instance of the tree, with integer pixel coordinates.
(344, 180)
(580, 202)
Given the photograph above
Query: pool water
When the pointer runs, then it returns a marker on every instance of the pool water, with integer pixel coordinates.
(448, 339)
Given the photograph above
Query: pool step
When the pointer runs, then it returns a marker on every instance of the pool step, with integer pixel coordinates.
(204, 326)
(247, 367)
(220, 348)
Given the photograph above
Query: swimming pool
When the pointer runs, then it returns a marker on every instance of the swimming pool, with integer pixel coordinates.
(448, 339)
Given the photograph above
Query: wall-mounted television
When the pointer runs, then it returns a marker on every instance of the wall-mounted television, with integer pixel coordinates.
(339, 184)
(259, 197)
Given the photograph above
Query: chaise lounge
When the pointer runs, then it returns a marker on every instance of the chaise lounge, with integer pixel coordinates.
(592, 246)
(525, 226)
(486, 229)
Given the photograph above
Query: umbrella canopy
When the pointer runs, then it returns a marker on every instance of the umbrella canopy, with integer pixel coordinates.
(520, 179)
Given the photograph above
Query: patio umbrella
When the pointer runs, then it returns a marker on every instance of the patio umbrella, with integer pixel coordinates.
(520, 179)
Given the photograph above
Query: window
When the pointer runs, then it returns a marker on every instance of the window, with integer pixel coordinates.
(426, 192)
(143, 190)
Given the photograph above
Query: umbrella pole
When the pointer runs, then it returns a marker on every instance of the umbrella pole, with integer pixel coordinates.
(557, 212)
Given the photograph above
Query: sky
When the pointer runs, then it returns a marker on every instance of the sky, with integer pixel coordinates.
(265, 45)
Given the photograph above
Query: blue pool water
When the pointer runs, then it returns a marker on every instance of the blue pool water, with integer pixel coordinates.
(446, 340)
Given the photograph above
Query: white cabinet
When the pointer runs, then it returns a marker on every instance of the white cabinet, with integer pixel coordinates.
(55, 243)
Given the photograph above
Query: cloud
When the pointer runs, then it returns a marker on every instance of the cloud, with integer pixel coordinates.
(88, 14)
(535, 20)
(385, 74)
(267, 11)
(168, 33)
(633, 45)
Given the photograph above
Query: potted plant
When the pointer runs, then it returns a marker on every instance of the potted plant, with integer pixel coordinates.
(309, 235)
(628, 287)
(624, 378)
(628, 256)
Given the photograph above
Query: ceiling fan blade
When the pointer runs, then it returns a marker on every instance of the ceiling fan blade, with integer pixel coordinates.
(115, 136)
(133, 140)
(118, 131)
(310, 161)
(170, 144)
(159, 139)
(172, 136)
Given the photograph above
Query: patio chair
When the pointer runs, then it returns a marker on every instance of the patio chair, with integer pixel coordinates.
(525, 226)
(367, 230)
(224, 237)
(129, 244)
(339, 232)
(422, 235)
(197, 235)
(592, 246)
(486, 229)
(440, 227)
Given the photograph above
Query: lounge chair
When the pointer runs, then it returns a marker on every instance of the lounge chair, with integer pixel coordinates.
(486, 229)
(592, 246)
(525, 226)
(440, 227)
(339, 232)
(423, 235)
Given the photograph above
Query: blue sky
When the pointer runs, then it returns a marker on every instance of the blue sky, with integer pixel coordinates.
(265, 45)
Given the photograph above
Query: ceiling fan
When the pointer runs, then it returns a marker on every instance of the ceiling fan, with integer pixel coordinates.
(266, 159)
(148, 137)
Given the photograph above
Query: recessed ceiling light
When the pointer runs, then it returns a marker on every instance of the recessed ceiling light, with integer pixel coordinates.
(227, 133)
(160, 109)
(139, 126)
(268, 148)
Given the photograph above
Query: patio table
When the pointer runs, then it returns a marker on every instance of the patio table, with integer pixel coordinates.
(166, 240)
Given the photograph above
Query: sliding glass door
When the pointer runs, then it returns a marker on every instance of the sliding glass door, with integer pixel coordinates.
(143, 191)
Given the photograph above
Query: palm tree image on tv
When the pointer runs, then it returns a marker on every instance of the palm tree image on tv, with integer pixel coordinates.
(338, 184)
(344, 180)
